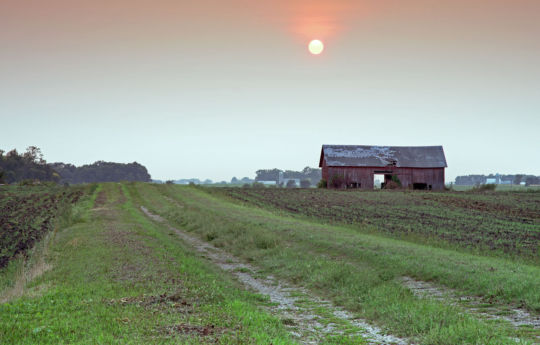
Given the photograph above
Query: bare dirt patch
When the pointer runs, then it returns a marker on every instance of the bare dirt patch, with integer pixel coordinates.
(167, 300)
(192, 330)
(101, 199)
(304, 322)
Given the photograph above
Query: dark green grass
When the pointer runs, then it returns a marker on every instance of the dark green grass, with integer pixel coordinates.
(358, 271)
(498, 224)
(118, 278)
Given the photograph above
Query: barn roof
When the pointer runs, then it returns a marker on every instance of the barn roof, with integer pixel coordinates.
(382, 156)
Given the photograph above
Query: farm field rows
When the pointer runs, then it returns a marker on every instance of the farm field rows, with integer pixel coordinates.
(123, 276)
(497, 223)
(118, 278)
(27, 214)
(360, 271)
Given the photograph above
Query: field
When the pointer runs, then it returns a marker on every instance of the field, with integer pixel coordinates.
(27, 214)
(161, 264)
(501, 223)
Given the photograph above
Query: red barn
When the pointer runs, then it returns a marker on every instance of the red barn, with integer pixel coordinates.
(355, 166)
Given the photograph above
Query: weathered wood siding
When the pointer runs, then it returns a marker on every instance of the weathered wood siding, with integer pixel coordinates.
(364, 176)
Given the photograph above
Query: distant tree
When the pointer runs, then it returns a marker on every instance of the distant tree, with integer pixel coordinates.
(27, 166)
(305, 183)
(313, 174)
(292, 174)
(470, 180)
(169, 182)
(101, 171)
(267, 175)
(291, 184)
(532, 180)
(518, 178)
(234, 180)
(33, 154)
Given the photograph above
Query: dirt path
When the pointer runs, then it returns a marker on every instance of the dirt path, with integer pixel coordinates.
(293, 304)
(517, 317)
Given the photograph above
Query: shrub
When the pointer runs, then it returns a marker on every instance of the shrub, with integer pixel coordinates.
(246, 185)
(394, 183)
(305, 183)
(322, 184)
(485, 187)
(291, 184)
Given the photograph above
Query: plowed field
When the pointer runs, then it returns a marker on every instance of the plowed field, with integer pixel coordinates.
(504, 222)
(27, 214)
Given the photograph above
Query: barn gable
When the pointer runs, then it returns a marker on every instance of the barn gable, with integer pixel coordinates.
(382, 156)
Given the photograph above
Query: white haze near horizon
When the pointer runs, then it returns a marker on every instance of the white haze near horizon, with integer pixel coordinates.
(215, 91)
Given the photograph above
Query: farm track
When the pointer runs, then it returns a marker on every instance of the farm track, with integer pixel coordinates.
(305, 323)
(516, 316)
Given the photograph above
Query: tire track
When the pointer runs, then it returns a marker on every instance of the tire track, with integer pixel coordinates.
(517, 317)
(303, 321)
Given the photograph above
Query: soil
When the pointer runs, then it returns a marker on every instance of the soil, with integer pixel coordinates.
(496, 222)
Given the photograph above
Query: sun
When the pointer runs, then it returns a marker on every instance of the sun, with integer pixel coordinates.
(315, 47)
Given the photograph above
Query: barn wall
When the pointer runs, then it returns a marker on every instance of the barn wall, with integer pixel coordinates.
(364, 176)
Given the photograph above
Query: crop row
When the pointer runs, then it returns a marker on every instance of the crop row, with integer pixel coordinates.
(507, 223)
(26, 217)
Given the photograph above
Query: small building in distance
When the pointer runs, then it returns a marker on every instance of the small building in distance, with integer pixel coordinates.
(355, 166)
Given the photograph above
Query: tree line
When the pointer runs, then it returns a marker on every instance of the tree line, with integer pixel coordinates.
(473, 180)
(311, 175)
(30, 166)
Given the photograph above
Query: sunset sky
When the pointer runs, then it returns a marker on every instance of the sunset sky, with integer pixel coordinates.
(215, 89)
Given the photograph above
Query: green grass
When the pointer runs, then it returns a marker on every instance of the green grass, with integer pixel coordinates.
(118, 278)
(357, 270)
(496, 224)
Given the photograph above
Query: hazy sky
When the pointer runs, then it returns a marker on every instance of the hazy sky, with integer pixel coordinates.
(215, 89)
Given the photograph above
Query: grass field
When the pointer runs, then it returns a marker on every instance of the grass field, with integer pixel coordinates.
(503, 223)
(117, 276)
